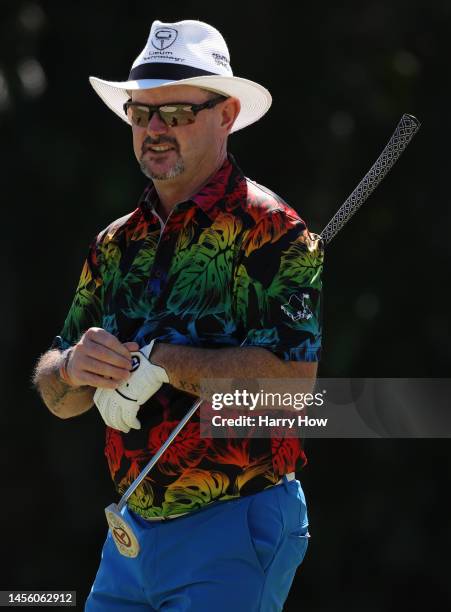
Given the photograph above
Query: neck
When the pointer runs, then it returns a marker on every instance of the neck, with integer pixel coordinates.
(182, 188)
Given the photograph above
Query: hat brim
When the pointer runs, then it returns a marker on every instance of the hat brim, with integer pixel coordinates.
(254, 98)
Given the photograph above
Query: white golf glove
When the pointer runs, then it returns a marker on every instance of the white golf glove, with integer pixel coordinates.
(120, 406)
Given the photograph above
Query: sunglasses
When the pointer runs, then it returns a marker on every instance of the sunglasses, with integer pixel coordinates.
(173, 114)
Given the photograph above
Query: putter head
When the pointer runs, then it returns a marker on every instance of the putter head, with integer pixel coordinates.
(123, 536)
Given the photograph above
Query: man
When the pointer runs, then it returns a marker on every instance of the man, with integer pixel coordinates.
(199, 277)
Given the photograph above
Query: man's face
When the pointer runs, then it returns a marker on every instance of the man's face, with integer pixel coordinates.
(165, 153)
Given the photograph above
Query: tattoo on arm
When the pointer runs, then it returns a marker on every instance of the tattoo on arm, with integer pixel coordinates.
(55, 393)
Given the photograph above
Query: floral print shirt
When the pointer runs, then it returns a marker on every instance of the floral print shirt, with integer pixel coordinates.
(234, 262)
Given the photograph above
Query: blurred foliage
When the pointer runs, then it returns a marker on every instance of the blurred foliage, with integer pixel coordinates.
(341, 75)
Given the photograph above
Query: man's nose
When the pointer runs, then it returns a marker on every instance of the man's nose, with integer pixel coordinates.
(156, 125)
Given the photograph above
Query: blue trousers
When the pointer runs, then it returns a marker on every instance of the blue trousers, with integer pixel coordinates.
(234, 556)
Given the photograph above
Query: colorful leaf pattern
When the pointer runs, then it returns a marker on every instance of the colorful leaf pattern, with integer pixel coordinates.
(195, 488)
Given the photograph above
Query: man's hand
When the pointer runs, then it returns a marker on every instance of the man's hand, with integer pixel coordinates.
(120, 406)
(99, 359)
(66, 381)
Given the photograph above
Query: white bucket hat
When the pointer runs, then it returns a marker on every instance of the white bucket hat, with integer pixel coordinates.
(186, 53)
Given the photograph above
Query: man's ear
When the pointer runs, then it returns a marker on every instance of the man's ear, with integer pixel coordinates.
(230, 109)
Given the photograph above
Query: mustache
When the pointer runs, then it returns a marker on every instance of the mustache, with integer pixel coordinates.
(158, 141)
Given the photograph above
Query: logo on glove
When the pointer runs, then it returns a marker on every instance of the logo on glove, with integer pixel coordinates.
(135, 363)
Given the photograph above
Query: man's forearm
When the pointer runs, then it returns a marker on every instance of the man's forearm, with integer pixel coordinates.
(60, 398)
(186, 366)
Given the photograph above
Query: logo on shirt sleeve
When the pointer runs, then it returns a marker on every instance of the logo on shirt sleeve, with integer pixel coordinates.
(297, 307)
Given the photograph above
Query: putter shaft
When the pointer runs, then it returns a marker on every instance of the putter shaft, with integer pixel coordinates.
(174, 433)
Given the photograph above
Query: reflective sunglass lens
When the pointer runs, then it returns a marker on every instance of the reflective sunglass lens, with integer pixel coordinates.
(177, 115)
(138, 115)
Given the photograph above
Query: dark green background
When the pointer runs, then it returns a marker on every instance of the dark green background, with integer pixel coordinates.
(341, 75)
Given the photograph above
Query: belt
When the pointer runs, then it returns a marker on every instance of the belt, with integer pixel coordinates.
(290, 476)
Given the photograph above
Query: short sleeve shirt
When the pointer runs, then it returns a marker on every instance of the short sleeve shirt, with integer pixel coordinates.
(234, 263)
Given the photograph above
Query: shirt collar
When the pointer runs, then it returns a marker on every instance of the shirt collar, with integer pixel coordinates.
(223, 185)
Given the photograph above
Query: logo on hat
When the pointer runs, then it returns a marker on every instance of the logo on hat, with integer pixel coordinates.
(164, 38)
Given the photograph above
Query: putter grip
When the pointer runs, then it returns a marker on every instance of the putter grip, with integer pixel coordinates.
(401, 137)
